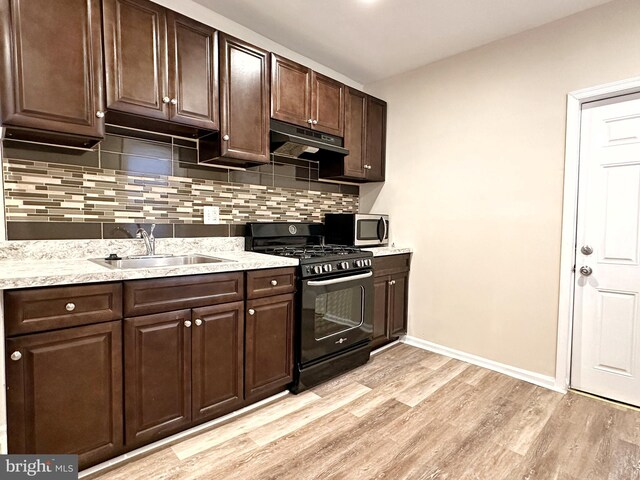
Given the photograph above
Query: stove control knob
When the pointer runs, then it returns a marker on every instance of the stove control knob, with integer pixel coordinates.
(327, 268)
(317, 269)
(358, 263)
(367, 262)
(343, 265)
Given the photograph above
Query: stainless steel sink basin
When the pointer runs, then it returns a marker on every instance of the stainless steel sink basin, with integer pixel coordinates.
(157, 261)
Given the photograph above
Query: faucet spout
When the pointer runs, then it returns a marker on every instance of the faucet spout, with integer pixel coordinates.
(149, 239)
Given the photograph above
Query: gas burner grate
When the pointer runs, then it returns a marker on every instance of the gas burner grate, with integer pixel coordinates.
(312, 251)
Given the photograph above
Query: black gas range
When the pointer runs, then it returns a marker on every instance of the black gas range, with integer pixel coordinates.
(334, 312)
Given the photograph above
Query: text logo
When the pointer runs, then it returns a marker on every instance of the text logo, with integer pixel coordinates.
(51, 467)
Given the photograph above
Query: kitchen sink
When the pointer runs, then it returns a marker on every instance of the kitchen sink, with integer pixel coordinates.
(157, 261)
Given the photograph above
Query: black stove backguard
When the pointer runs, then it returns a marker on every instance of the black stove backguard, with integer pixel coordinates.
(334, 299)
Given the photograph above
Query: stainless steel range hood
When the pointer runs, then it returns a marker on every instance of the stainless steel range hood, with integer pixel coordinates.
(297, 142)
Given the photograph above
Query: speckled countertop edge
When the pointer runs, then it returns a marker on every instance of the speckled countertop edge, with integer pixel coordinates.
(382, 251)
(39, 273)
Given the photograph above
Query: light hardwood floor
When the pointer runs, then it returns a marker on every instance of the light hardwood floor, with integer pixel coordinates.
(409, 413)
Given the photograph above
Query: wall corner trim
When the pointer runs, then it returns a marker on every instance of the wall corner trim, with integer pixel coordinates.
(546, 381)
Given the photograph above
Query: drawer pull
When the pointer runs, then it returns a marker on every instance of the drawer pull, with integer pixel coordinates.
(70, 306)
(198, 322)
(187, 323)
(252, 311)
(15, 356)
(274, 282)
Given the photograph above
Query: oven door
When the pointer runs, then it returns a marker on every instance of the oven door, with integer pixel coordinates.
(337, 312)
(371, 230)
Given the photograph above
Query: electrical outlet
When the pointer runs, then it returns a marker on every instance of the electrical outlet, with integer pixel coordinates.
(211, 215)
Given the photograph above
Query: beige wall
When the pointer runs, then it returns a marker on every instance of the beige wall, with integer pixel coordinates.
(475, 161)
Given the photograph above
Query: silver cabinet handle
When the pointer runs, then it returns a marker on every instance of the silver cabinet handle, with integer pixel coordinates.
(174, 101)
(315, 122)
(15, 356)
(274, 282)
(166, 99)
(252, 311)
(187, 323)
(225, 138)
(100, 114)
(198, 322)
(70, 307)
(333, 281)
(586, 271)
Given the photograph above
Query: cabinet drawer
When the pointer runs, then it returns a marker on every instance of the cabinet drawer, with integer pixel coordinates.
(391, 264)
(39, 309)
(264, 283)
(143, 297)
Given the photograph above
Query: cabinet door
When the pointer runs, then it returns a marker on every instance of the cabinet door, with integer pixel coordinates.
(355, 117)
(157, 360)
(398, 304)
(327, 104)
(193, 72)
(217, 359)
(136, 57)
(290, 91)
(51, 65)
(376, 139)
(380, 310)
(244, 101)
(269, 344)
(64, 394)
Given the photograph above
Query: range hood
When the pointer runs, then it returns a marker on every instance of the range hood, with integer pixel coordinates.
(297, 142)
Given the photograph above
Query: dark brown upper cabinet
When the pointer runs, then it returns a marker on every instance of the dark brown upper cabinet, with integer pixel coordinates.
(244, 101)
(51, 77)
(376, 139)
(365, 134)
(159, 64)
(306, 98)
(64, 392)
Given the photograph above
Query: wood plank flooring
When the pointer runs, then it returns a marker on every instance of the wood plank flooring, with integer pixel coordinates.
(412, 414)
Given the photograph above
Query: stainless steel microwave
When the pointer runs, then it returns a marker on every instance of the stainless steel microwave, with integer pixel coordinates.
(357, 229)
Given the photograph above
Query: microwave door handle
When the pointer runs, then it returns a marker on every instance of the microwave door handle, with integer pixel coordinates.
(333, 281)
(384, 229)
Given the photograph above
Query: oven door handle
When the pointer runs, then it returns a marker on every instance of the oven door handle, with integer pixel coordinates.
(333, 281)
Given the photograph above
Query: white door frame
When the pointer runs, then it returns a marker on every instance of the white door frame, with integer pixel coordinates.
(569, 216)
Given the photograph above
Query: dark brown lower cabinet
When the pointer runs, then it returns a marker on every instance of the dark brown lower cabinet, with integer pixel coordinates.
(157, 375)
(64, 392)
(269, 344)
(181, 368)
(217, 351)
(390, 291)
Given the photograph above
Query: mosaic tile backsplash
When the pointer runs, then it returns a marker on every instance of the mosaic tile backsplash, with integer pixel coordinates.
(58, 193)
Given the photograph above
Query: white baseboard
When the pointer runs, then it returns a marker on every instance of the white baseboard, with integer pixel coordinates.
(519, 373)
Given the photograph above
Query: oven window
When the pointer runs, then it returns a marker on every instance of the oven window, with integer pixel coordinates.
(338, 311)
(368, 229)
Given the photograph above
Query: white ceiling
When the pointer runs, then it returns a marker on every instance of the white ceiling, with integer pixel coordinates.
(368, 40)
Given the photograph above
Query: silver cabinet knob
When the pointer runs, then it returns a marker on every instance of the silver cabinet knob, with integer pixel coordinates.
(70, 306)
(198, 322)
(315, 122)
(225, 137)
(15, 356)
(274, 282)
(174, 101)
(100, 114)
(252, 311)
(166, 99)
(586, 271)
(309, 121)
(586, 249)
(187, 323)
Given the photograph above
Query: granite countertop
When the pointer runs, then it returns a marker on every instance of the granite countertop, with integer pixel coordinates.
(382, 251)
(45, 272)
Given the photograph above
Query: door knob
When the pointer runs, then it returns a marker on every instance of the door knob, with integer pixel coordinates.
(100, 114)
(174, 101)
(586, 271)
(187, 323)
(70, 307)
(252, 311)
(15, 356)
(166, 99)
(274, 282)
(225, 138)
(586, 249)
(315, 122)
(309, 121)
(198, 322)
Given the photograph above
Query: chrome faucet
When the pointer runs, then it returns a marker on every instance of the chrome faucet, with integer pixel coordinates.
(149, 239)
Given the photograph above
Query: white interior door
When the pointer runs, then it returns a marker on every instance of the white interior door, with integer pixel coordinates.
(606, 334)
